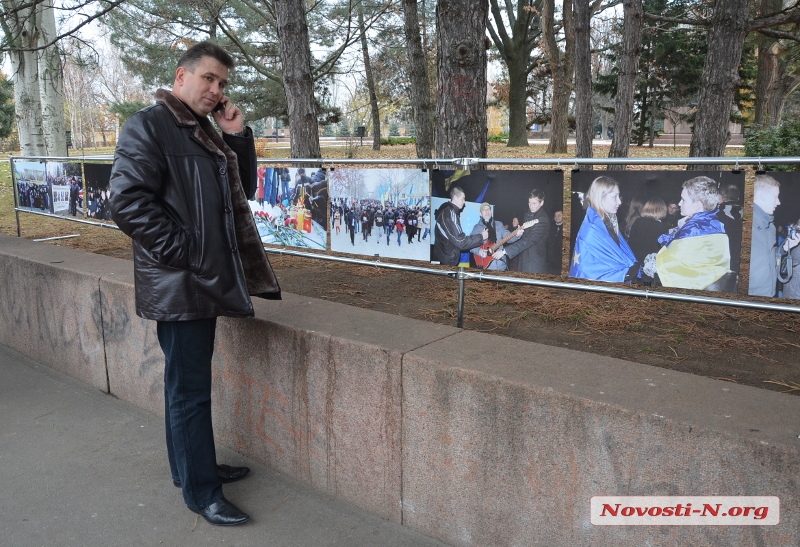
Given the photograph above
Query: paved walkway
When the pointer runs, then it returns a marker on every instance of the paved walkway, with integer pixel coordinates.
(79, 467)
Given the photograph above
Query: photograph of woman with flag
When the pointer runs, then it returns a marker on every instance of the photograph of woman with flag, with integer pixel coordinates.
(600, 251)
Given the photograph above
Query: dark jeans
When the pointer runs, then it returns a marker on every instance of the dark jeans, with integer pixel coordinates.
(188, 347)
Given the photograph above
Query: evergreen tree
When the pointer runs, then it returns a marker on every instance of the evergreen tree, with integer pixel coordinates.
(670, 69)
(6, 107)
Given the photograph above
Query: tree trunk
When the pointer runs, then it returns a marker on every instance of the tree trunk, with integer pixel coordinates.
(562, 67)
(584, 121)
(515, 48)
(298, 83)
(23, 34)
(461, 61)
(769, 92)
(626, 81)
(730, 24)
(517, 103)
(373, 98)
(769, 84)
(51, 82)
(420, 83)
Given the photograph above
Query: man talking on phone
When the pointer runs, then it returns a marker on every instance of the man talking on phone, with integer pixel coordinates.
(179, 189)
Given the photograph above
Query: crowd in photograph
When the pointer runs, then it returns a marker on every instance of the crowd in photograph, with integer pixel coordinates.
(97, 203)
(34, 195)
(395, 223)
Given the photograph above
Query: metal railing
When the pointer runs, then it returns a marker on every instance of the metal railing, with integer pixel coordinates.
(461, 274)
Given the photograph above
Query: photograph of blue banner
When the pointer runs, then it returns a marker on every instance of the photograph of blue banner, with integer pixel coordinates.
(775, 244)
(498, 220)
(658, 228)
(380, 212)
(290, 206)
(33, 193)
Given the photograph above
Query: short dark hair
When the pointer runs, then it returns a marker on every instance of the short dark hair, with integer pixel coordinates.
(192, 56)
(536, 193)
(456, 191)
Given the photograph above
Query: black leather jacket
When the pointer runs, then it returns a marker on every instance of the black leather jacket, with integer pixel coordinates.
(450, 238)
(180, 190)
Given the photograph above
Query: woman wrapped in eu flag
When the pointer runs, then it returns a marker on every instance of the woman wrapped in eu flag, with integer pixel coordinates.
(601, 252)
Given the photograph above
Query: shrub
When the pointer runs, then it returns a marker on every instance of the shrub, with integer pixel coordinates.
(398, 140)
(779, 141)
(500, 137)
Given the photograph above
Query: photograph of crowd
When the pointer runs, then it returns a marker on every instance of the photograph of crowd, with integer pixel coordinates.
(775, 245)
(31, 186)
(498, 220)
(97, 192)
(380, 212)
(290, 206)
(65, 181)
(658, 228)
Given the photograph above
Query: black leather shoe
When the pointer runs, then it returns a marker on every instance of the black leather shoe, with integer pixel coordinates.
(222, 513)
(226, 474)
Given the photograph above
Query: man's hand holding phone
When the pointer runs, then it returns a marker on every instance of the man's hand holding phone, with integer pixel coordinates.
(228, 116)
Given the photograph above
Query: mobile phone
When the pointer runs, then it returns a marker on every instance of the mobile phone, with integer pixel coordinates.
(220, 107)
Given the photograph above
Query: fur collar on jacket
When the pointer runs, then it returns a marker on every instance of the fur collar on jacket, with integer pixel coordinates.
(261, 280)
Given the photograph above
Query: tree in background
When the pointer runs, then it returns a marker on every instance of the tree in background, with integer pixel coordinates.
(562, 70)
(276, 75)
(584, 121)
(6, 107)
(461, 82)
(298, 80)
(373, 98)
(515, 48)
(30, 38)
(670, 69)
(626, 81)
(778, 68)
(729, 25)
(419, 88)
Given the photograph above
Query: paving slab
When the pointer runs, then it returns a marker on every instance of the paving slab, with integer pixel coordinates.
(80, 467)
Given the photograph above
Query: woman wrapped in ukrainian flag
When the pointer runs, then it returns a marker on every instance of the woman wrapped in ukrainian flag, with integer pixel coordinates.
(696, 254)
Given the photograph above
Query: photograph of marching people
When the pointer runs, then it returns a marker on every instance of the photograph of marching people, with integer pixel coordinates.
(775, 245)
(383, 212)
(498, 220)
(291, 205)
(97, 177)
(32, 190)
(659, 228)
(65, 181)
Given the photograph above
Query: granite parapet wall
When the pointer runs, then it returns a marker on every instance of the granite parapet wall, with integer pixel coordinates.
(471, 438)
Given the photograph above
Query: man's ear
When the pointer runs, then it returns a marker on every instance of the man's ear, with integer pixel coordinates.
(180, 74)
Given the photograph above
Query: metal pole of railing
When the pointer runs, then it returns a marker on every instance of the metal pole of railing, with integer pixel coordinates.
(461, 282)
(69, 218)
(16, 197)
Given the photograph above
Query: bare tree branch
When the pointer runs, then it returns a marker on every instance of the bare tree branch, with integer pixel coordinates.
(5, 44)
(779, 34)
